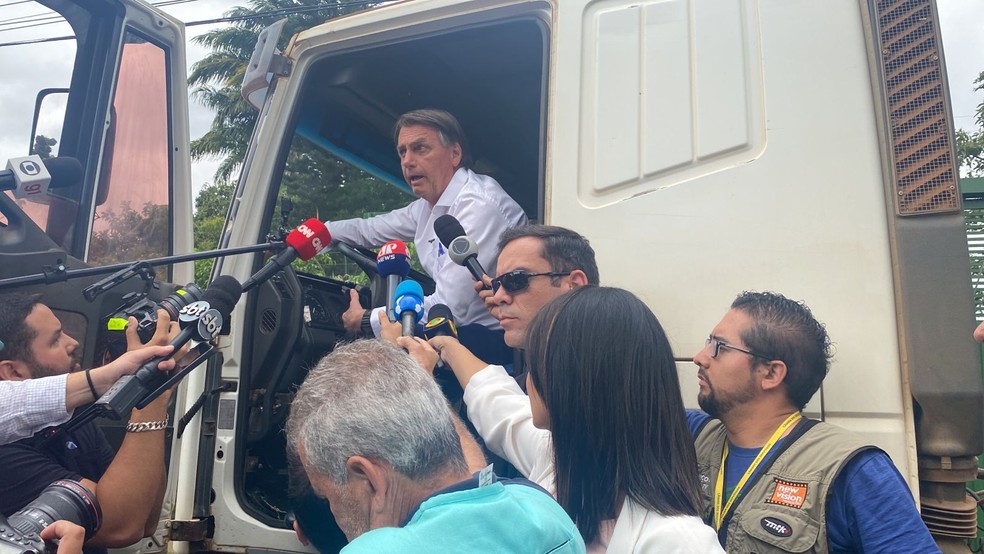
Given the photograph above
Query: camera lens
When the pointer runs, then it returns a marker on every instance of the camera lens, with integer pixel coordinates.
(181, 298)
(63, 499)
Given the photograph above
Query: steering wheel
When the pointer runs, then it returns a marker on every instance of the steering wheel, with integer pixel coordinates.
(366, 260)
(363, 257)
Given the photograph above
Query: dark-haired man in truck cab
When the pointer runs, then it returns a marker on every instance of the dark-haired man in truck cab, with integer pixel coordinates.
(436, 161)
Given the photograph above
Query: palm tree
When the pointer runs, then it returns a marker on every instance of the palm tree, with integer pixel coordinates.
(217, 77)
(322, 184)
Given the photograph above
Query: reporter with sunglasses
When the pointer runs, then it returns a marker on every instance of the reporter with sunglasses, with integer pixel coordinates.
(536, 264)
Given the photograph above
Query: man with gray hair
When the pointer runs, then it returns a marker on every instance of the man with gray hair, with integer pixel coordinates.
(377, 440)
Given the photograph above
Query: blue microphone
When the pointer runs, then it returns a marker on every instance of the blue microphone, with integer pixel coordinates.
(408, 305)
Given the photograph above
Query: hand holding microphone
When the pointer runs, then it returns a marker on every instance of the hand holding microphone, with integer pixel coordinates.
(393, 263)
(200, 321)
(409, 305)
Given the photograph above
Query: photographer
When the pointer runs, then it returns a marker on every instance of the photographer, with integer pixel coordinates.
(26, 407)
(128, 485)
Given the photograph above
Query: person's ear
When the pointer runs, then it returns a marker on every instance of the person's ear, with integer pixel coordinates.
(371, 478)
(456, 155)
(577, 278)
(12, 370)
(773, 374)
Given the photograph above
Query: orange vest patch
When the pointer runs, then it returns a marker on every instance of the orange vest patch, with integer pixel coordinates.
(788, 494)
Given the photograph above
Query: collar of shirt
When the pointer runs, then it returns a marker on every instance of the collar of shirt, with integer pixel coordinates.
(449, 195)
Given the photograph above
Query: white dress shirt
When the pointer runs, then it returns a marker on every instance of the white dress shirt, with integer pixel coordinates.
(484, 211)
(28, 406)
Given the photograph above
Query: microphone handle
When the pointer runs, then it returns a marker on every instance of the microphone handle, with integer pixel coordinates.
(392, 281)
(409, 322)
(272, 267)
(471, 262)
(125, 393)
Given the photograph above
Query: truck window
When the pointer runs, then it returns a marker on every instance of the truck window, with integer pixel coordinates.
(132, 195)
(126, 152)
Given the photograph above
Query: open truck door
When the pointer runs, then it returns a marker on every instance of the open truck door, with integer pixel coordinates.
(120, 108)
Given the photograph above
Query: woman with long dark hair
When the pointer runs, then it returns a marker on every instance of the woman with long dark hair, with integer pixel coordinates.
(604, 427)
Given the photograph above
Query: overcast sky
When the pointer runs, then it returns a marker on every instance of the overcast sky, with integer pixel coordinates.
(26, 69)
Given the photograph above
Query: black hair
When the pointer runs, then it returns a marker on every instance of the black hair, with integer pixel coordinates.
(563, 249)
(444, 123)
(786, 330)
(16, 335)
(599, 359)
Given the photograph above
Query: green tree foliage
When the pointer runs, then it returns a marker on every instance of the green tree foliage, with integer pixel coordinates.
(42, 146)
(970, 153)
(217, 78)
(970, 145)
(970, 158)
(320, 185)
(211, 205)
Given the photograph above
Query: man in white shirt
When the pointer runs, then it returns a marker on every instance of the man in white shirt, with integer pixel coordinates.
(435, 160)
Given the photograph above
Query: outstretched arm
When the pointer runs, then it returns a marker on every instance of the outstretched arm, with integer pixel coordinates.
(427, 357)
(131, 491)
(463, 363)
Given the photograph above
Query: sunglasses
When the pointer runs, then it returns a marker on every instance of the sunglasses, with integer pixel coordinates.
(717, 344)
(519, 280)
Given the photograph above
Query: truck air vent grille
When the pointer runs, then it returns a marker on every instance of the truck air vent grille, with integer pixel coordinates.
(916, 98)
(268, 321)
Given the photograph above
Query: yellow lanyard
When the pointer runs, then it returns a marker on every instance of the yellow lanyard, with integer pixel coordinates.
(719, 485)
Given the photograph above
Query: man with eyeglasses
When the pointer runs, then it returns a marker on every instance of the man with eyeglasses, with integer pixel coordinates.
(774, 481)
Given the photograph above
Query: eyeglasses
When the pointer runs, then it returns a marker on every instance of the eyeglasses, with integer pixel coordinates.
(519, 280)
(717, 344)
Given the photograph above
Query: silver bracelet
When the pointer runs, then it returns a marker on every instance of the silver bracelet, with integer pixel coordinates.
(147, 426)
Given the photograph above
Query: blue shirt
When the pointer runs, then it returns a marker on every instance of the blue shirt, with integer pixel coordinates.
(869, 507)
(510, 516)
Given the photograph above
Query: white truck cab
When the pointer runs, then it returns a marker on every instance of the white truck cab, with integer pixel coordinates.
(704, 148)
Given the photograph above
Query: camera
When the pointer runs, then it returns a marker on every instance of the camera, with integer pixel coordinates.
(137, 304)
(63, 499)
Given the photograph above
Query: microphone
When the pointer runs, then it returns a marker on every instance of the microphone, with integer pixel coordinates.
(304, 242)
(441, 322)
(409, 305)
(200, 321)
(392, 262)
(461, 249)
(31, 177)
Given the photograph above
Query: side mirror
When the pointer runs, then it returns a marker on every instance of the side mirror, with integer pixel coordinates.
(263, 64)
(49, 116)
